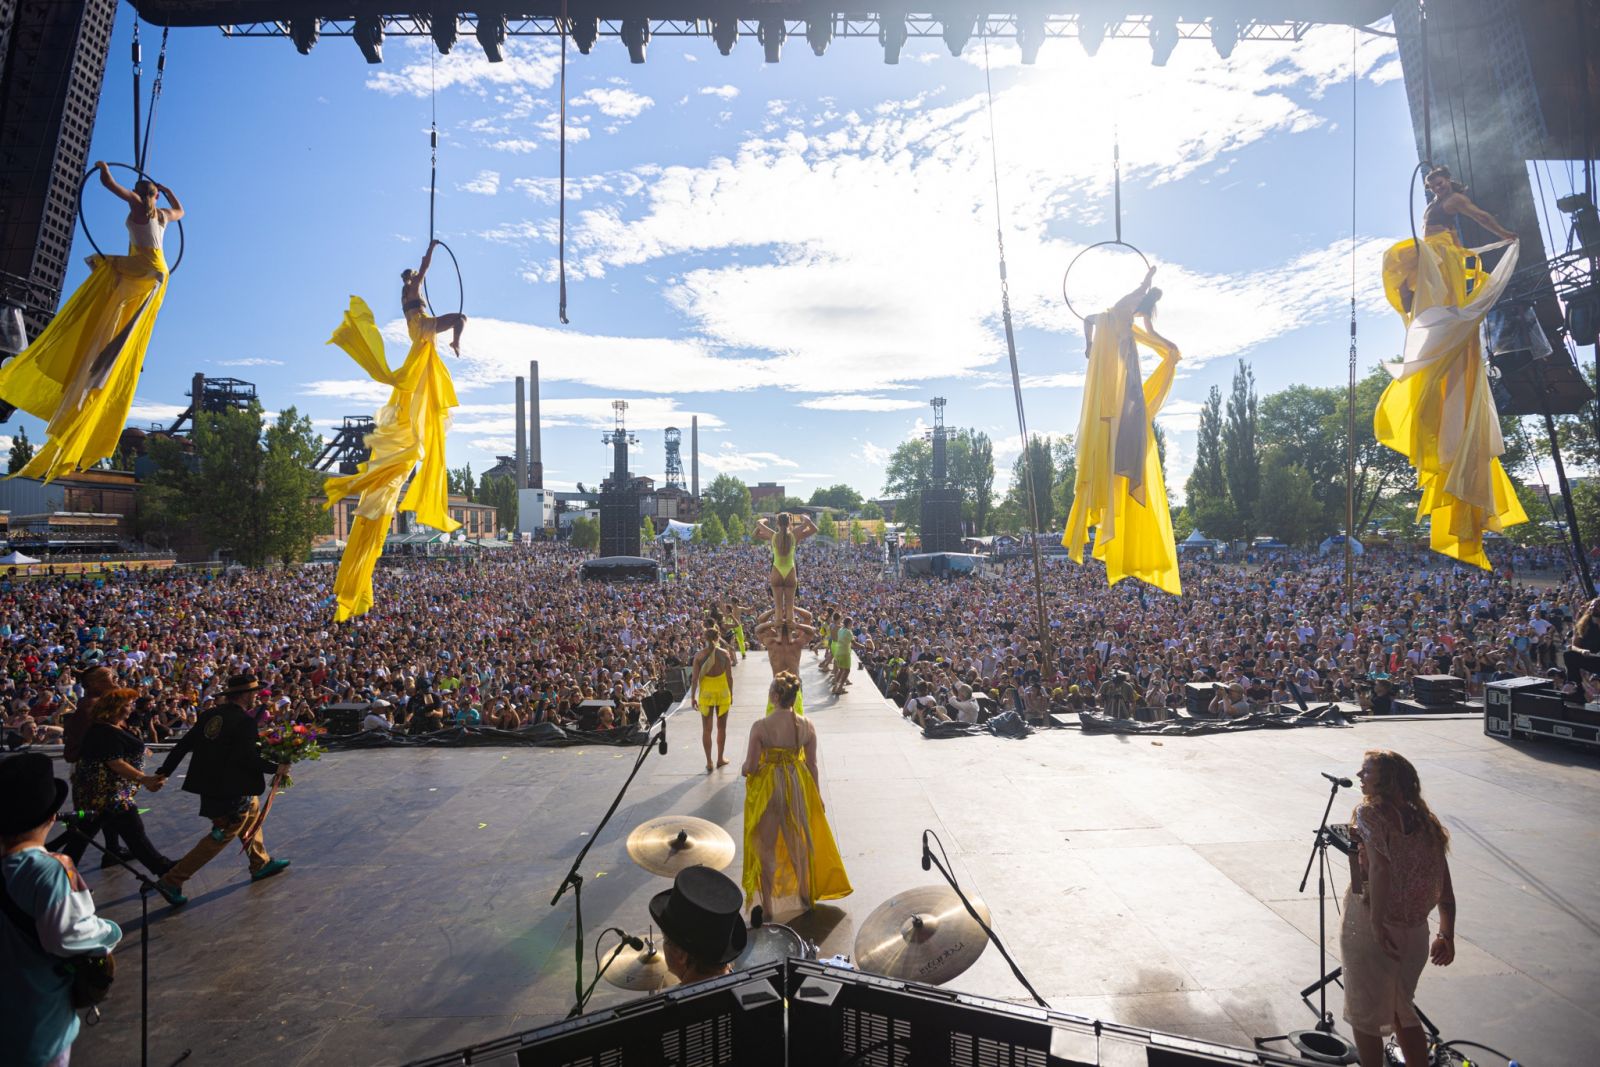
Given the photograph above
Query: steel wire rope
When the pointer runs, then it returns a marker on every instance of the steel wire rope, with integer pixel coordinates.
(433, 189)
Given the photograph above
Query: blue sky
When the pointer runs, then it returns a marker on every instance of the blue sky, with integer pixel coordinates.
(800, 253)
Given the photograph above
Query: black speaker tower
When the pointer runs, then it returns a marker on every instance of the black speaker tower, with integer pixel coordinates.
(619, 500)
(941, 502)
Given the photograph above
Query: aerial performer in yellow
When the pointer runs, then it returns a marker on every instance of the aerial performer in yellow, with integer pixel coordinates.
(1438, 411)
(411, 429)
(1120, 489)
(79, 374)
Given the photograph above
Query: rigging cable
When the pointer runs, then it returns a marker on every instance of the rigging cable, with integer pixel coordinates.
(1049, 666)
(138, 91)
(155, 98)
(561, 309)
(1350, 403)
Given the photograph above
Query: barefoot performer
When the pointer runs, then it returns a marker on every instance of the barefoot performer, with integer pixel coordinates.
(788, 846)
(411, 427)
(710, 693)
(784, 643)
(1120, 489)
(79, 374)
(1438, 412)
(784, 539)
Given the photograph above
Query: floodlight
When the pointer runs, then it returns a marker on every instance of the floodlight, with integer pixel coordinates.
(1030, 35)
(819, 34)
(304, 31)
(584, 33)
(1225, 34)
(892, 35)
(442, 27)
(1163, 38)
(958, 31)
(772, 32)
(635, 33)
(368, 34)
(492, 34)
(725, 31)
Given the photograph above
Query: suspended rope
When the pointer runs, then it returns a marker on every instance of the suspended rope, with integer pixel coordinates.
(433, 192)
(155, 99)
(1350, 400)
(1116, 203)
(1048, 671)
(561, 309)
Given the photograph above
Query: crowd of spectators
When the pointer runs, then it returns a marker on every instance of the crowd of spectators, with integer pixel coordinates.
(517, 638)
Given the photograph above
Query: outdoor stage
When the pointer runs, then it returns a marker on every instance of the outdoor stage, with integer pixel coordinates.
(1153, 884)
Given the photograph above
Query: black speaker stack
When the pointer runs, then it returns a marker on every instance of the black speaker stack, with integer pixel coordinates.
(941, 520)
(1434, 694)
(619, 523)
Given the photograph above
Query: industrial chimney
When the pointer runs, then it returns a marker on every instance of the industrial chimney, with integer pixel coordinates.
(535, 456)
(694, 456)
(522, 435)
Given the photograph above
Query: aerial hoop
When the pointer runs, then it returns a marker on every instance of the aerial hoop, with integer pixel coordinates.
(461, 288)
(84, 222)
(1411, 197)
(1098, 244)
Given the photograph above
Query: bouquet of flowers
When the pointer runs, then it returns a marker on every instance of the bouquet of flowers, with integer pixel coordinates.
(291, 743)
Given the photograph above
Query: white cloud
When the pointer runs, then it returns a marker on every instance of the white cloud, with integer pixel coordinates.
(729, 459)
(363, 391)
(614, 103)
(487, 183)
(1181, 416)
(725, 92)
(515, 145)
(528, 63)
(145, 412)
(874, 454)
(647, 413)
(252, 361)
(858, 402)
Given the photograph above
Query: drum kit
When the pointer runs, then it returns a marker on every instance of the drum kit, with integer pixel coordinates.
(923, 935)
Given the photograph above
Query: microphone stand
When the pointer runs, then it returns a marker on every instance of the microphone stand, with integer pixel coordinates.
(583, 996)
(146, 887)
(657, 734)
(927, 858)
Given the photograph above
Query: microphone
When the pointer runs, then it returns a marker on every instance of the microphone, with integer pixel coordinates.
(635, 943)
(1345, 782)
(927, 857)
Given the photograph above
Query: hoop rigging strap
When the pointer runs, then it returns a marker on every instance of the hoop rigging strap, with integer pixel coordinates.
(1116, 203)
(433, 189)
(561, 309)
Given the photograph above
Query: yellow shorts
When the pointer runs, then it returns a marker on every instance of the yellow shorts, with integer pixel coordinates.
(714, 693)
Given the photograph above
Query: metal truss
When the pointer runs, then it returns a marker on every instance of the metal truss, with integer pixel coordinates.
(1560, 276)
(998, 26)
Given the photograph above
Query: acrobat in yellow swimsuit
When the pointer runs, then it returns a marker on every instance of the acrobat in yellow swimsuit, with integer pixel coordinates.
(714, 693)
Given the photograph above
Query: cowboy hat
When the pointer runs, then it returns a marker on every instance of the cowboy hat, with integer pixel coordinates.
(241, 683)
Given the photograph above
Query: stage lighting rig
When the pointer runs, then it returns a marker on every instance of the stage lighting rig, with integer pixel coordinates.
(584, 33)
(1225, 34)
(1030, 35)
(1163, 38)
(1094, 25)
(1585, 220)
(368, 34)
(492, 34)
(819, 34)
(442, 27)
(772, 32)
(725, 31)
(635, 33)
(892, 35)
(957, 31)
(304, 30)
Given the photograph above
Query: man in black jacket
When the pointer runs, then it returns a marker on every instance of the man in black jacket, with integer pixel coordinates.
(229, 773)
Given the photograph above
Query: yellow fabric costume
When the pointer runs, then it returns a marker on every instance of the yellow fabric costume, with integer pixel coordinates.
(411, 427)
(1438, 412)
(784, 778)
(1120, 489)
(714, 693)
(80, 373)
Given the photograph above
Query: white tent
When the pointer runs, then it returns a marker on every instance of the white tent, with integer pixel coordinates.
(1336, 544)
(15, 559)
(683, 531)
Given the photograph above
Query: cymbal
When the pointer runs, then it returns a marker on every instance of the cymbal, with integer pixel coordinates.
(670, 843)
(923, 935)
(641, 969)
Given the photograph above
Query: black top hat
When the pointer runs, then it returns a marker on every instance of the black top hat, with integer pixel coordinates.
(701, 914)
(29, 793)
(241, 683)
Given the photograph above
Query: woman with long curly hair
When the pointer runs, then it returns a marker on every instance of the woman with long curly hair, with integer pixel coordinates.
(1398, 874)
(106, 781)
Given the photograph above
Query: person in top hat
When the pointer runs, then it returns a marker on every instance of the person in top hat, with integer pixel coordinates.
(700, 923)
(229, 773)
(49, 914)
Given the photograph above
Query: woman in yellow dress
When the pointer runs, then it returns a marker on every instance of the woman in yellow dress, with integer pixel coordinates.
(711, 693)
(1120, 489)
(411, 427)
(789, 849)
(80, 373)
(1438, 412)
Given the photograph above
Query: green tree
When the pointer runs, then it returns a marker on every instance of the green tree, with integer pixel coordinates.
(228, 488)
(1064, 453)
(826, 527)
(1381, 473)
(1039, 462)
(459, 481)
(858, 535)
(291, 488)
(21, 451)
(1159, 432)
(969, 457)
(500, 492)
(712, 531)
(647, 530)
(737, 532)
(1298, 421)
(790, 504)
(1206, 493)
(839, 496)
(908, 473)
(585, 533)
(1287, 509)
(166, 497)
(726, 497)
(870, 510)
(1241, 464)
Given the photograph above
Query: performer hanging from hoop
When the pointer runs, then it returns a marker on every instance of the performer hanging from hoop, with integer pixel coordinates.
(710, 693)
(1438, 412)
(80, 373)
(784, 540)
(410, 427)
(1120, 489)
(414, 306)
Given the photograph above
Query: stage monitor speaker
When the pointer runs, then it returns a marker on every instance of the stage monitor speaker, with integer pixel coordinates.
(619, 524)
(1583, 315)
(589, 713)
(342, 720)
(1524, 385)
(1197, 698)
(941, 520)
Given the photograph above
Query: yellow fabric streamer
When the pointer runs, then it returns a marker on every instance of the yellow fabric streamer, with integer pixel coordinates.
(1120, 489)
(79, 374)
(1438, 412)
(411, 428)
(784, 778)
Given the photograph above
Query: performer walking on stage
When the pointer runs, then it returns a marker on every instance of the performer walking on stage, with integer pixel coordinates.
(229, 773)
(788, 845)
(1398, 874)
(1120, 489)
(80, 373)
(710, 692)
(97, 682)
(843, 638)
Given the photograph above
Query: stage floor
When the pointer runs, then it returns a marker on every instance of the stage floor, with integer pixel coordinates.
(1148, 882)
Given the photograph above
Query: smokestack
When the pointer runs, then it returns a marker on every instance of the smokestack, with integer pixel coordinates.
(522, 435)
(694, 456)
(535, 455)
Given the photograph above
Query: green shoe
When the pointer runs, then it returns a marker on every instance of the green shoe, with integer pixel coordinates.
(268, 869)
(171, 894)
